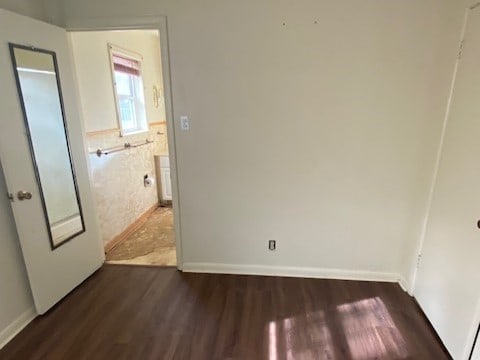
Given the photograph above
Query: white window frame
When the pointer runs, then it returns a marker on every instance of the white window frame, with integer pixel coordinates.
(141, 124)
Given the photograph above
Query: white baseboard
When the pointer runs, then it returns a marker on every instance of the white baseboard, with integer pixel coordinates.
(290, 271)
(16, 326)
(403, 284)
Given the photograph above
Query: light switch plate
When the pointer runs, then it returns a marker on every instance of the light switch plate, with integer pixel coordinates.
(184, 123)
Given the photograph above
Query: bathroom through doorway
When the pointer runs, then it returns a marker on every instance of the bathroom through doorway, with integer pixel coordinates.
(121, 87)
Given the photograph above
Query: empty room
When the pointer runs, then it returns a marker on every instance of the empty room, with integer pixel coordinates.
(289, 179)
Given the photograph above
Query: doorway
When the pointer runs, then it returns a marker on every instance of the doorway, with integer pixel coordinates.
(122, 93)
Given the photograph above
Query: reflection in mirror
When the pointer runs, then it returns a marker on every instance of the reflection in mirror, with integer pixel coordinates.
(40, 94)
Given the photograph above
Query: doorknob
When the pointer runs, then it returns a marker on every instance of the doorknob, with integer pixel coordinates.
(24, 195)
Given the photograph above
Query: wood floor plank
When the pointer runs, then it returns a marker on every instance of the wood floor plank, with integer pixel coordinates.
(126, 312)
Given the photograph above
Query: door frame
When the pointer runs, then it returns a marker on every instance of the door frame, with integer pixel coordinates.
(412, 280)
(149, 23)
(472, 335)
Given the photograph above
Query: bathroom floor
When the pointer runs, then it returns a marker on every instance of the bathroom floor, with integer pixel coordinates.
(152, 244)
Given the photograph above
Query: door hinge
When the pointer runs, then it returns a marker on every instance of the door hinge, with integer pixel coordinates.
(419, 258)
(460, 49)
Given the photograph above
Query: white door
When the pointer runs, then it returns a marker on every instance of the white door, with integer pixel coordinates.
(476, 350)
(448, 279)
(55, 220)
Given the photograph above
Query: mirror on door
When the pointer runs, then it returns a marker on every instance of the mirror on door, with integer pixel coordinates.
(38, 84)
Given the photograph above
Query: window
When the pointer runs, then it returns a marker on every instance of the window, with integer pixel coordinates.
(128, 86)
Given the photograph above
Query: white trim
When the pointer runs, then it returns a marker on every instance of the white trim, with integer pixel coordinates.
(101, 23)
(16, 326)
(290, 271)
(125, 52)
(404, 285)
(158, 23)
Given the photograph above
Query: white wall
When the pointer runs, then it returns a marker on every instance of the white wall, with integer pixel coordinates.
(322, 136)
(94, 76)
(315, 123)
(118, 179)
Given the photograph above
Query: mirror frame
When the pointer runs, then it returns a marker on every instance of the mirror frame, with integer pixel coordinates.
(12, 47)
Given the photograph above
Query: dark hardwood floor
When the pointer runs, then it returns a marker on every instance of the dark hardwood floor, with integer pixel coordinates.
(125, 312)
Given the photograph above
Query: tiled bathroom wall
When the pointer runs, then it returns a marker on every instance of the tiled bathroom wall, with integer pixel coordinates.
(118, 178)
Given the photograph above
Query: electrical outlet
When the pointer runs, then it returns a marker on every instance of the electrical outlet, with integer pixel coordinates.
(272, 245)
(184, 123)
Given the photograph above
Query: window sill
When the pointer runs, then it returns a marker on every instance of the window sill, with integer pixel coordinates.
(134, 132)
